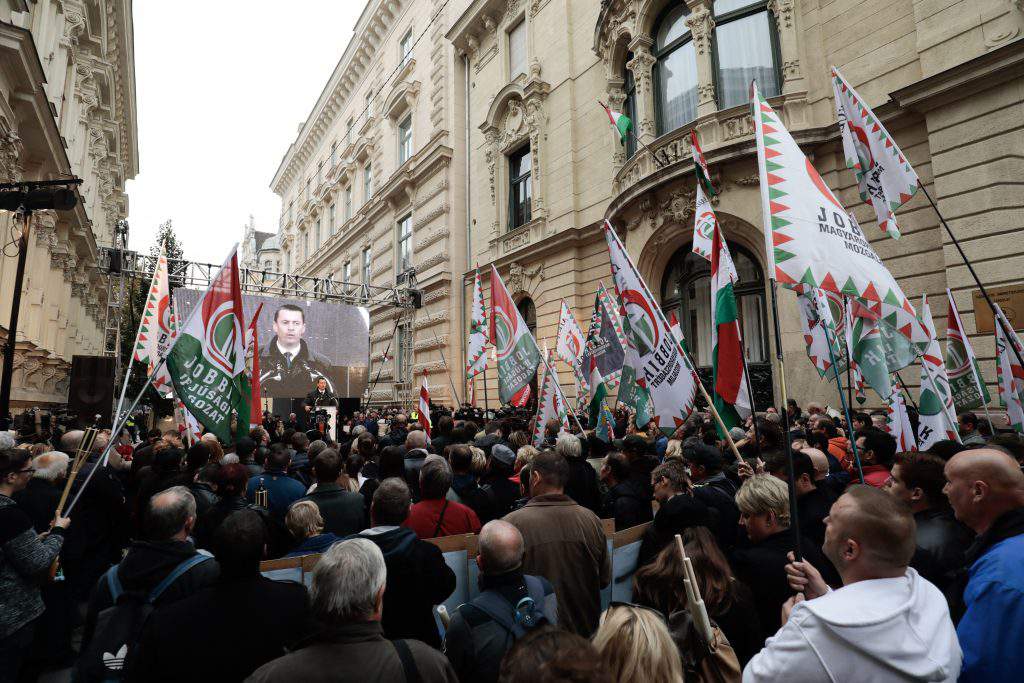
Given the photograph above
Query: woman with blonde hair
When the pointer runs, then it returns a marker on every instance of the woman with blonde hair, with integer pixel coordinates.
(306, 525)
(635, 645)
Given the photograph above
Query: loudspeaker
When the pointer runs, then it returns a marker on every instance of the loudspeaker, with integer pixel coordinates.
(92, 389)
(115, 262)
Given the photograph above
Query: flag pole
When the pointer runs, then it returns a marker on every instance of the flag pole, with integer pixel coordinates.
(383, 360)
(547, 369)
(907, 391)
(974, 274)
(750, 389)
(849, 358)
(636, 138)
(718, 418)
(935, 387)
(842, 399)
(981, 395)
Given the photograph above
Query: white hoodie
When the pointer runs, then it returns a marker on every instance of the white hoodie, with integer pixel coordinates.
(878, 630)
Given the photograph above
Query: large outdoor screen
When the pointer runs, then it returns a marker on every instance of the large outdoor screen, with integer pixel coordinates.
(301, 341)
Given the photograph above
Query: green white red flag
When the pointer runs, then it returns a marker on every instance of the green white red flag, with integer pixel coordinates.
(677, 331)
(621, 124)
(550, 405)
(856, 376)
(423, 407)
(517, 352)
(897, 423)
(157, 327)
(704, 223)
(809, 237)
(252, 368)
(937, 419)
(884, 175)
(476, 350)
(700, 166)
(207, 360)
(1009, 373)
(598, 391)
(969, 391)
(661, 380)
(730, 388)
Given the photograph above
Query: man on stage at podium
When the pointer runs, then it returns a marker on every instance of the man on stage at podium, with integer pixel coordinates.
(322, 398)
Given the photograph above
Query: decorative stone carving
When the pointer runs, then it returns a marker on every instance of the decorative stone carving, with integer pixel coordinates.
(791, 69)
(435, 260)
(640, 66)
(515, 240)
(74, 23)
(737, 127)
(513, 127)
(516, 279)
(705, 93)
(11, 149)
(491, 156)
(701, 24)
(677, 206)
(783, 11)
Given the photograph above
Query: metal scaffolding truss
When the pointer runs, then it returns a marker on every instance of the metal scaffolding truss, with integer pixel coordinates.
(199, 275)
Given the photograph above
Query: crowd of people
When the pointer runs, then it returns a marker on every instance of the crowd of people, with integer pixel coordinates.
(819, 553)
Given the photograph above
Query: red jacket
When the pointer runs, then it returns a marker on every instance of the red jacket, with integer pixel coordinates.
(458, 519)
(874, 475)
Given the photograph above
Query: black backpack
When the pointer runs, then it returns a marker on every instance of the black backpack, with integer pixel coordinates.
(118, 627)
(521, 618)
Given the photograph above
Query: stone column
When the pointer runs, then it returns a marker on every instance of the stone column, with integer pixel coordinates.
(701, 25)
(641, 66)
(789, 48)
(616, 97)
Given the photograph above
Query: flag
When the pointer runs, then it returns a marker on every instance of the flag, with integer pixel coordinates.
(884, 176)
(423, 409)
(157, 327)
(570, 344)
(521, 397)
(605, 427)
(476, 358)
(252, 367)
(1009, 373)
(809, 237)
(677, 331)
(186, 422)
(518, 355)
(730, 391)
(704, 223)
(897, 423)
(935, 402)
(819, 330)
(856, 376)
(549, 404)
(207, 360)
(662, 383)
(603, 344)
(868, 351)
(969, 391)
(700, 167)
(621, 123)
(598, 391)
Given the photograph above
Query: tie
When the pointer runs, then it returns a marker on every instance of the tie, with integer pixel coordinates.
(288, 359)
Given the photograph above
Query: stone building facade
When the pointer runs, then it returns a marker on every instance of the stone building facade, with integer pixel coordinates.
(371, 193)
(67, 107)
(947, 78)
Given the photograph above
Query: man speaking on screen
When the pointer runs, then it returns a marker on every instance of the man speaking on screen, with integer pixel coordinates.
(289, 366)
(320, 397)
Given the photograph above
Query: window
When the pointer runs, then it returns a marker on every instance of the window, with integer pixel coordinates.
(331, 224)
(745, 50)
(519, 190)
(367, 182)
(369, 104)
(348, 132)
(405, 140)
(675, 71)
(346, 272)
(405, 48)
(629, 106)
(348, 203)
(517, 50)
(305, 245)
(403, 240)
(334, 153)
(366, 266)
(316, 235)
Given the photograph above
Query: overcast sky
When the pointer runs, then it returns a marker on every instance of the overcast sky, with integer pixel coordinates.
(222, 88)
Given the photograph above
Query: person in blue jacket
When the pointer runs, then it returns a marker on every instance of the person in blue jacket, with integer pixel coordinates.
(986, 489)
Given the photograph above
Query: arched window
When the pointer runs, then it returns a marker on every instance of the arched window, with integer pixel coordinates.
(675, 71)
(629, 105)
(686, 289)
(529, 313)
(746, 48)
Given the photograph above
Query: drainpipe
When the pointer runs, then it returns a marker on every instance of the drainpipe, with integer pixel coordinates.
(469, 231)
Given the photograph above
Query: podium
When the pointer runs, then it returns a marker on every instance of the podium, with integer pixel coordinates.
(330, 426)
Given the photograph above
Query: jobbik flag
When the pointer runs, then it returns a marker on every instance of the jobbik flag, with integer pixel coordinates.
(820, 331)
(732, 400)
(1009, 373)
(856, 376)
(897, 423)
(207, 360)
(549, 403)
(517, 352)
(657, 379)
(884, 176)
(809, 237)
(252, 368)
(569, 345)
(476, 350)
(704, 223)
(969, 392)
(157, 327)
(935, 403)
(603, 343)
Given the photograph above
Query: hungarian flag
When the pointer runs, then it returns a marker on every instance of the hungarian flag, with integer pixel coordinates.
(521, 397)
(423, 409)
(1009, 373)
(660, 381)
(550, 405)
(809, 237)
(621, 124)
(677, 331)
(476, 356)
(969, 391)
(252, 367)
(207, 360)
(700, 166)
(897, 423)
(935, 403)
(704, 223)
(598, 392)
(517, 352)
(884, 176)
(730, 396)
(157, 328)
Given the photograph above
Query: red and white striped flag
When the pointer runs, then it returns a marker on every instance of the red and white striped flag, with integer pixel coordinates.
(424, 406)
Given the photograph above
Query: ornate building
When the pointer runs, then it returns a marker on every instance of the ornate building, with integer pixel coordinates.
(544, 170)
(371, 194)
(67, 107)
(259, 250)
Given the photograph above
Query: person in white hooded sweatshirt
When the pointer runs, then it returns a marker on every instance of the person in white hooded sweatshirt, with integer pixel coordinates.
(885, 624)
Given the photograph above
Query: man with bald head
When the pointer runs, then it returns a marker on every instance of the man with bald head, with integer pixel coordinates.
(986, 489)
(509, 605)
(415, 455)
(886, 623)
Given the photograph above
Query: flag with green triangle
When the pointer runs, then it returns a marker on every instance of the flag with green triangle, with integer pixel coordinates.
(728, 371)
(937, 419)
(969, 392)
(476, 349)
(868, 351)
(598, 391)
(621, 124)
(517, 352)
(1009, 373)
(816, 322)
(549, 403)
(897, 423)
(157, 327)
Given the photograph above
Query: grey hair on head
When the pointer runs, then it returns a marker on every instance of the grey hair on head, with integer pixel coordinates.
(51, 466)
(346, 581)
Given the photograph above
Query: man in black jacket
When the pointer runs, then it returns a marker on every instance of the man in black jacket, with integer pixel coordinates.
(714, 489)
(418, 577)
(678, 509)
(288, 366)
(170, 516)
(475, 642)
(582, 485)
(813, 502)
(343, 511)
(271, 614)
(626, 501)
(496, 483)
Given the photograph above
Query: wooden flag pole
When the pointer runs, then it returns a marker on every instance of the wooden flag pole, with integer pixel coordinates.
(904, 385)
(842, 399)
